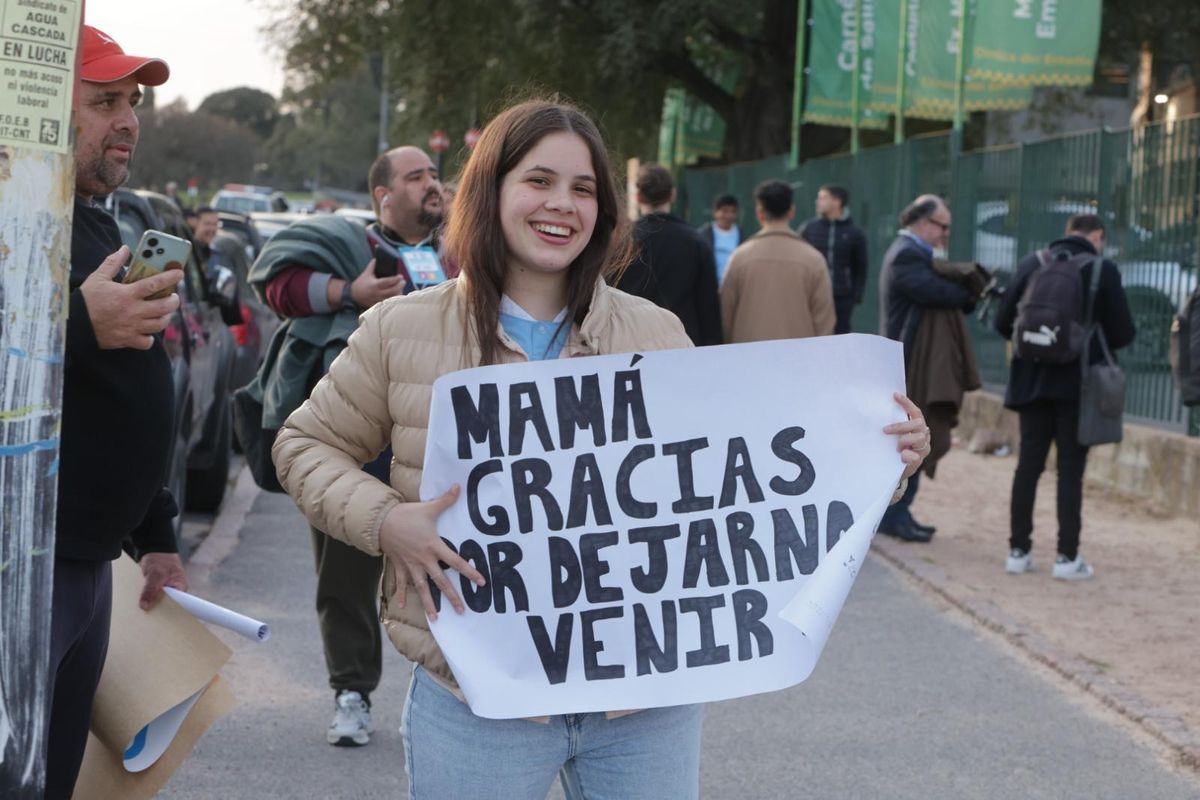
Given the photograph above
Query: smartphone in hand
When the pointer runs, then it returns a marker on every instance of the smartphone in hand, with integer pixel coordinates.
(157, 251)
(386, 262)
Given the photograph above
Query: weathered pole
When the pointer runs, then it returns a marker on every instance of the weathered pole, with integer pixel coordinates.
(37, 188)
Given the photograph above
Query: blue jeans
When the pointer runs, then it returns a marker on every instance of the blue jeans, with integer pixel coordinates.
(449, 752)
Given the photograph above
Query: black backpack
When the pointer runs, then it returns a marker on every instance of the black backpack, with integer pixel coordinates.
(1049, 326)
(1185, 350)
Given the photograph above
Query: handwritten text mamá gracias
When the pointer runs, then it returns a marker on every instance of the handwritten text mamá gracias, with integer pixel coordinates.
(701, 506)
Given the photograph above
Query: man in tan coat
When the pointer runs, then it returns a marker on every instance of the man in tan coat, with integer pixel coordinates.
(776, 284)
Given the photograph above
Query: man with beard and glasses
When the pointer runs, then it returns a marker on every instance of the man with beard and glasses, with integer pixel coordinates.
(319, 273)
(117, 414)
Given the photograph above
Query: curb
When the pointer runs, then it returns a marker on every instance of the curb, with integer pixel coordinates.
(225, 533)
(1159, 723)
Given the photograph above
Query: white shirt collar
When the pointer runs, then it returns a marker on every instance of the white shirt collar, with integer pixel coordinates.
(510, 307)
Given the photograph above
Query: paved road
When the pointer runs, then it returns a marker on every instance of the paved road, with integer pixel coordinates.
(908, 702)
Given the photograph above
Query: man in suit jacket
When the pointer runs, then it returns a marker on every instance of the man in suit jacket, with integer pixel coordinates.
(907, 285)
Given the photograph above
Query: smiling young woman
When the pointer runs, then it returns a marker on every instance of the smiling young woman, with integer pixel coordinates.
(537, 227)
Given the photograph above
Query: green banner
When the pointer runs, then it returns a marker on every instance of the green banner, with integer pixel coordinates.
(931, 64)
(831, 62)
(690, 128)
(668, 129)
(1036, 42)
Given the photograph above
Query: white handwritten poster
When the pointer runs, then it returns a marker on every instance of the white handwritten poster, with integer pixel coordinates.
(642, 520)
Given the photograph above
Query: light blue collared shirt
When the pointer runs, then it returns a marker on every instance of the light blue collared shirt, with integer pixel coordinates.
(921, 243)
(540, 340)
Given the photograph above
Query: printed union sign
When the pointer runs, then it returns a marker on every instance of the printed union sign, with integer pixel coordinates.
(38, 40)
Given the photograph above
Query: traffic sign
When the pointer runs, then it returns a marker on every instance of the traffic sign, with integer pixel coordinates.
(438, 141)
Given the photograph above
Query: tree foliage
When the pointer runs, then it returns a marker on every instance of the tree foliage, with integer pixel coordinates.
(454, 62)
(328, 137)
(177, 145)
(1171, 29)
(251, 108)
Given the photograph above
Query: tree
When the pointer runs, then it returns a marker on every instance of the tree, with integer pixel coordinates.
(179, 145)
(467, 59)
(328, 135)
(253, 109)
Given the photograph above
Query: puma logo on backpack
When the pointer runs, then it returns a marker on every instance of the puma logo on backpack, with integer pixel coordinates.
(1049, 325)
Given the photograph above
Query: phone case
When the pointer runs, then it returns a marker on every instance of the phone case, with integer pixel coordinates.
(386, 263)
(378, 246)
(157, 251)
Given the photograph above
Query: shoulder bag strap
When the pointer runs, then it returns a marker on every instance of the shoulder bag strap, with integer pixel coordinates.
(1091, 326)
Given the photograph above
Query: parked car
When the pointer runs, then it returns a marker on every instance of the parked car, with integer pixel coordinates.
(202, 352)
(259, 321)
(269, 223)
(1157, 275)
(364, 215)
(242, 226)
(243, 202)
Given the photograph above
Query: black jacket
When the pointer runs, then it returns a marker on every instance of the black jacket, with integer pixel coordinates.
(907, 283)
(118, 424)
(845, 249)
(676, 270)
(1029, 381)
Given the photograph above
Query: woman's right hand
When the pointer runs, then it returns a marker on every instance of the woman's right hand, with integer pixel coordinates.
(409, 538)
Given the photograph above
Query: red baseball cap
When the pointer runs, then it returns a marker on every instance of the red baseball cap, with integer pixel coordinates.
(105, 62)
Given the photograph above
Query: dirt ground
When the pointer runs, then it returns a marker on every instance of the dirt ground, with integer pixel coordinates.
(1138, 620)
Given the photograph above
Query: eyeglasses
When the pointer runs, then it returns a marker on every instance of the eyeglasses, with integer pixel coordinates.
(945, 226)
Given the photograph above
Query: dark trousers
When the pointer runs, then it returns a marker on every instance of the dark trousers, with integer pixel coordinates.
(348, 613)
(843, 307)
(1043, 422)
(79, 622)
(898, 513)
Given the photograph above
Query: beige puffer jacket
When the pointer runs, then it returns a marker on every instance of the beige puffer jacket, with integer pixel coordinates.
(378, 390)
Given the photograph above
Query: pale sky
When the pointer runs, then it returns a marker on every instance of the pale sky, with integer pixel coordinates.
(210, 45)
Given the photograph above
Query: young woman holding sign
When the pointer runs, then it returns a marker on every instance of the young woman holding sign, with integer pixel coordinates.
(537, 227)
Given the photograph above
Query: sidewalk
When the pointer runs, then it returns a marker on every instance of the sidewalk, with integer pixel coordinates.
(910, 701)
(1129, 636)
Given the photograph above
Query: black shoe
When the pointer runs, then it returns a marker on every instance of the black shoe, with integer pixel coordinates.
(929, 529)
(906, 532)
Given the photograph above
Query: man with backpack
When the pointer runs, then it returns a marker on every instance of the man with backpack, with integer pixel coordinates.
(1044, 311)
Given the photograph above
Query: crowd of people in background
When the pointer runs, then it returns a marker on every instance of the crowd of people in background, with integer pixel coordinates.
(795, 281)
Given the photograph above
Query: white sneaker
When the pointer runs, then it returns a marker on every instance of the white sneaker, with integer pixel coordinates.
(1077, 570)
(351, 725)
(1019, 561)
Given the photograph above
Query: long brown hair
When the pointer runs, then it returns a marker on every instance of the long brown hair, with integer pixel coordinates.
(474, 236)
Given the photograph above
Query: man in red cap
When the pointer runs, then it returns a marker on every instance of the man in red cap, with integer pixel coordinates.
(118, 409)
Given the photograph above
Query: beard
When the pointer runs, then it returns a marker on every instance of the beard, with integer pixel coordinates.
(101, 172)
(425, 217)
(429, 219)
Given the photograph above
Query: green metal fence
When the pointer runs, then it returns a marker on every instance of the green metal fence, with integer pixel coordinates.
(1009, 201)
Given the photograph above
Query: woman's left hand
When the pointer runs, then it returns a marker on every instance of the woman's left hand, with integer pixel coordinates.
(912, 436)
